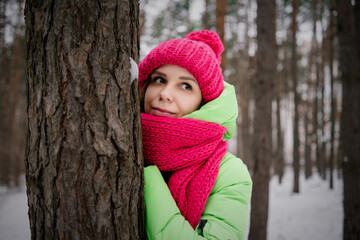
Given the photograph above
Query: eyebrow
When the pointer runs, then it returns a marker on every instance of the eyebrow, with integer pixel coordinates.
(181, 77)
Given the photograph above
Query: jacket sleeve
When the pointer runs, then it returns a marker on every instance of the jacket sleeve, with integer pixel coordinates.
(227, 208)
(163, 217)
(225, 214)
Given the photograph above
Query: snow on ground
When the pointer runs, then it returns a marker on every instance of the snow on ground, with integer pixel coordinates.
(314, 214)
(14, 222)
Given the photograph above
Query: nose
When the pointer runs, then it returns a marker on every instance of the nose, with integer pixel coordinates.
(165, 94)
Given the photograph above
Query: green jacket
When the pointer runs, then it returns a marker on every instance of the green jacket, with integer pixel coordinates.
(226, 210)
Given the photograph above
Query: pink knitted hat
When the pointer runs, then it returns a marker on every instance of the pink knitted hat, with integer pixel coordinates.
(199, 53)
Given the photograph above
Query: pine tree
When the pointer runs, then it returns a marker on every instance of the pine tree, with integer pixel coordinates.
(348, 27)
(84, 168)
(266, 72)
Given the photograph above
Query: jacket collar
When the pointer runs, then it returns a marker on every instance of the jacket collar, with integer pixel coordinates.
(222, 110)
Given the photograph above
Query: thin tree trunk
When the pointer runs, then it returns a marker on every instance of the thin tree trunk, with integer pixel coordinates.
(5, 71)
(296, 154)
(206, 20)
(324, 43)
(11, 72)
(14, 81)
(244, 101)
(16, 66)
(348, 20)
(308, 142)
(84, 168)
(279, 161)
(318, 155)
(142, 17)
(316, 117)
(263, 84)
(286, 76)
(308, 162)
(12, 147)
(332, 97)
(4, 154)
(279, 152)
(220, 27)
(2, 36)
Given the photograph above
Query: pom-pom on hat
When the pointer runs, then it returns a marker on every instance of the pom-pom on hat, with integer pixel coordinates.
(199, 53)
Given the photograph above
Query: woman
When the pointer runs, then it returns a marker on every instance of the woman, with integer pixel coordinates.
(194, 188)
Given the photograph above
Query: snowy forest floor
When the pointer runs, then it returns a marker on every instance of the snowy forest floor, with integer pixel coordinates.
(316, 213)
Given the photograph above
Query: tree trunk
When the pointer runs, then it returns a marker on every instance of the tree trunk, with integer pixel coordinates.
(206, 20)
(220, 27)
(12, 76)
(324, 57)
(312, 57)
(296, 154)
(2, 35)
(332, 97)
(84, 167)
(349, 59)
(244, 136)
(279, 156)
(318, 83)
(263, 84)
(142, 17)
(5, 164)
(279, 153)
(11, 126)
(307, 155)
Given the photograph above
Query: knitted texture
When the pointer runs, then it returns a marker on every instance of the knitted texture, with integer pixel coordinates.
(199, 53)
(191, 149)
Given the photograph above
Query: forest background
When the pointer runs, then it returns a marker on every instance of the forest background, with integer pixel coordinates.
(306, 91)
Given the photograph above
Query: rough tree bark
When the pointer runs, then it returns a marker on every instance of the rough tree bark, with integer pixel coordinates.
(84, 168)
(349, 61)
(263, 84)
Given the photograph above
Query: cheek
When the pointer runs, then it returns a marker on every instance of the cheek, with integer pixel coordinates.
(196, 103)
(146, 101)
(148, 98)
(197, 99)
(191, 104)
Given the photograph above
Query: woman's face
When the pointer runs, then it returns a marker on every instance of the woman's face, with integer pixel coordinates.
(172, 92)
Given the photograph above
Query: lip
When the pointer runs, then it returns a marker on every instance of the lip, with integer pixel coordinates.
(161, 112)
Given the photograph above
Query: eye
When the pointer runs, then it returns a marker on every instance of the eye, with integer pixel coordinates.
(159, 80)
(186, 86)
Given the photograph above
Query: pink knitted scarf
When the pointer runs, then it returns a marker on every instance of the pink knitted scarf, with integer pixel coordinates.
(192, 150)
